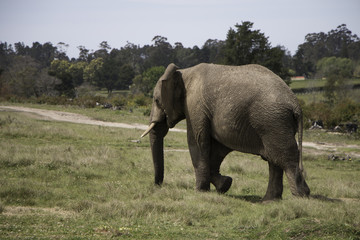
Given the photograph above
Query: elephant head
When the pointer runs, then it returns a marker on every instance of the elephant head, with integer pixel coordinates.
(167, 110)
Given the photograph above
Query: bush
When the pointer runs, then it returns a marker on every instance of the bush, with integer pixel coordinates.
(118, 101)
(88, 101)
(345, 111)
(139, 100)
(147, 112)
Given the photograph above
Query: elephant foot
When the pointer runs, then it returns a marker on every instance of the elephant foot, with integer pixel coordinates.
(267, 198)
(273, 194)
(222, 183)
(297, 183)
(203, 186)
(225, 186)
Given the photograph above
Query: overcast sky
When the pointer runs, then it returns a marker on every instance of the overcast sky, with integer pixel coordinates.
(191, 22)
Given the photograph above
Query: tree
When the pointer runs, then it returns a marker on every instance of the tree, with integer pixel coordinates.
(339, 42)
(21, 49)
(146, 82)
(60, 70)
(26, 78)
(43, 53)
(186, 57)
(160, 53)
(76, 71)
(6, 52)
(126, 75)
(21, 76)
(244, 46)
(103, 51)
(109, 75)
(92, 72)
(337, 71)
(84, 55)
(61, 51)
(275, 59)
(303, 66)
(213, 51)
(46, 84)
(133, 56)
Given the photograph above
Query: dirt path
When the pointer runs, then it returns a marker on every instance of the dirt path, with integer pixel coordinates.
(311, 147)
(76, 118)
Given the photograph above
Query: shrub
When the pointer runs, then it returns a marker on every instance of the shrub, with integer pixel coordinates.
(141, 100)
(118, 101)
(345, 111)
(147, 112)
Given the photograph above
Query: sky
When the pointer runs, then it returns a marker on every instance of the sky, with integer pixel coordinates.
(191, 22)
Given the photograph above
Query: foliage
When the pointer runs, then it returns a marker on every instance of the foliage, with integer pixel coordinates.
(246, 46)
(60, 70)
(146, 82)
(335, 66)
(331, 115)
(118, 69)
(336, 71)
(107, 71)
(76, 71)
(126, 75)
(24, 76)
(339, 43)
(92, 71)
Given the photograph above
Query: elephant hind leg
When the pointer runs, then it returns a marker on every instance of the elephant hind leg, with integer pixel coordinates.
(295, 177)
(298, 185)
(284, 156)
(218, 153)
(275, 186)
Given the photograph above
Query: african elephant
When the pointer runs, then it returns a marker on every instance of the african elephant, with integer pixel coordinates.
(243, 108)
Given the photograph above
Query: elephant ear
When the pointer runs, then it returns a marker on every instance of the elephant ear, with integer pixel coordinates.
(169, 72)
(168, 89)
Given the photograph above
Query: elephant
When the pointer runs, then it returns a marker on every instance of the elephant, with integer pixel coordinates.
(230, 108)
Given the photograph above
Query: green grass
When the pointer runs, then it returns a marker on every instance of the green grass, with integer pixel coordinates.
(104, 93)
(311, 83)
(316, 97)
(310, 97)
(70, 181)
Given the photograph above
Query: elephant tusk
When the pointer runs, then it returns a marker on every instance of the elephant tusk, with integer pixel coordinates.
(152, 125)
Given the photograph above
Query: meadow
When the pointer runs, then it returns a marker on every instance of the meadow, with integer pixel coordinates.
(70, 181)
(311, 83)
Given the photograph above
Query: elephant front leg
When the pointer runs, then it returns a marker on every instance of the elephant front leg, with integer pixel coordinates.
(221, 183)
(275, 186)
(199, 151)
(218, 153)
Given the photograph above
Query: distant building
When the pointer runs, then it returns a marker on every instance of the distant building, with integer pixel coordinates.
(297, 78)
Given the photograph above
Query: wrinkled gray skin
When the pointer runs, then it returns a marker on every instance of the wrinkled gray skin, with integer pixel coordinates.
(243, 108)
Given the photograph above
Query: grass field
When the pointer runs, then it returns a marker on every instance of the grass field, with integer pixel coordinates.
(70, 181)
(311, 83)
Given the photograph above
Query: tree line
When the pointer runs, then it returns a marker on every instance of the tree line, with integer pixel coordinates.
(45, 69)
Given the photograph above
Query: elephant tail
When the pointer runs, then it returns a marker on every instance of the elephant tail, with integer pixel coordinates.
(299, 117)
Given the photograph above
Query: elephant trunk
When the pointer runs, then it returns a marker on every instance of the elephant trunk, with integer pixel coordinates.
(157, 135)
